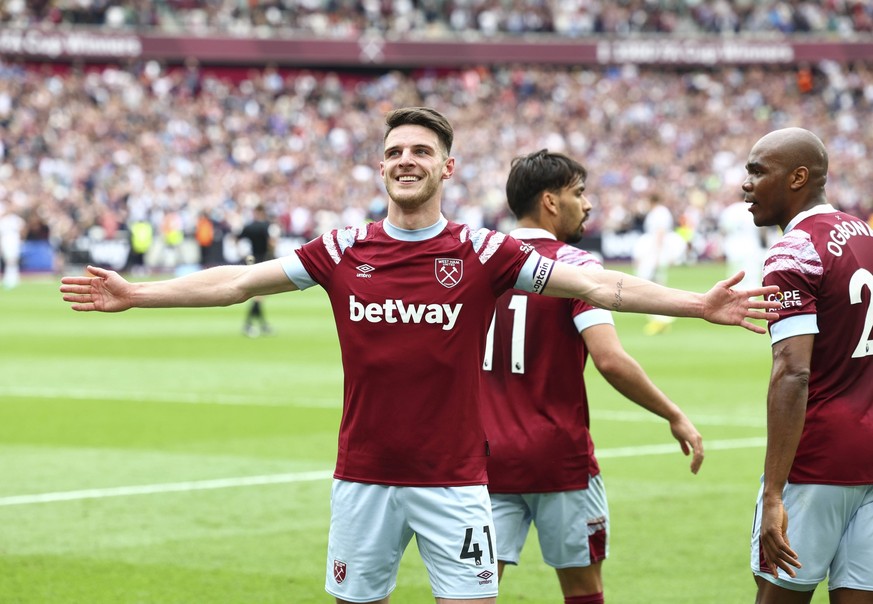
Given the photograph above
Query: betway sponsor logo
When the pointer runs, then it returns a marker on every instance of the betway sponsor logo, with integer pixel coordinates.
(395, 311)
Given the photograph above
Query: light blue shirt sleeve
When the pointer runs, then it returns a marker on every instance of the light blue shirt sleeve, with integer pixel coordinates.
(535, 273)
(293, 268)
(590, 318)
(798, 325)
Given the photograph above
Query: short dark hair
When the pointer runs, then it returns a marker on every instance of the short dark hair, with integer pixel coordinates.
(532, 174)
(422, 116)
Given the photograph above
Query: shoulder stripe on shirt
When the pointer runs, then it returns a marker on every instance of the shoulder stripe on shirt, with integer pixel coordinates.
(794, 252)
(494, 242)
(485, 242)
(577, 257)
(338, 241)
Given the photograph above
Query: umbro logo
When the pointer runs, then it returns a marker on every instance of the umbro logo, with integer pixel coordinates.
(364, 270)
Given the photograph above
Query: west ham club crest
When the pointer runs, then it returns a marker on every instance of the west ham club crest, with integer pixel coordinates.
(449, 271)
(339, 571)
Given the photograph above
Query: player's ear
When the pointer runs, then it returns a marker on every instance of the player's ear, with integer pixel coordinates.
(799, 177)
(449, 168)
(549, 203)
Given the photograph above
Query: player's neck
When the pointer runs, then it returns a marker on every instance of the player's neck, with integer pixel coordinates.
(533, 223)
(413, 219)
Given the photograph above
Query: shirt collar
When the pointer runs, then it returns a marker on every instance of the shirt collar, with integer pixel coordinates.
(415, 234)
(822, 208)
(531, 233)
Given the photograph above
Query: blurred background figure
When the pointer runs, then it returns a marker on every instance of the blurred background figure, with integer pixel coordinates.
(259, 236)
(658, 247)
(12, 230)
(173, 235)
(142, 235)
(744, 243)
(204, 233)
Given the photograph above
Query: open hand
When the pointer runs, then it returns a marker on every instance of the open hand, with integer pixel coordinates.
(726, 306)
(103, 291)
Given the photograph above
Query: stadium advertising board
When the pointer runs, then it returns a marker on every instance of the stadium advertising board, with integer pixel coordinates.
(48, 44)
(374, 50)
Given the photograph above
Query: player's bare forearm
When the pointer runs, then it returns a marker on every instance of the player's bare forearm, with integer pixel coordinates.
(786, 415)
(628, 377)
(786, 409)
(621, 292)
(647, 395)
(217, 286)
(106, 291)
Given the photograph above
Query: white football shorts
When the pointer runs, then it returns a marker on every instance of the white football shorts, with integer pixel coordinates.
(573, 526)
(371, 525)
(831, 529)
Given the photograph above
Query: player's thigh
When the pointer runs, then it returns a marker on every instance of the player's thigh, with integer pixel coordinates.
(850, 596)
(455, 534)
(573, 526)
(852, 567)
(512, 518)
(770, 593)
(818, 516)
(368, 535)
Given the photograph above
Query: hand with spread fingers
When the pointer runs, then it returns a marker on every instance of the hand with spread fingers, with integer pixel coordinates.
(726, 306)
(103, 291)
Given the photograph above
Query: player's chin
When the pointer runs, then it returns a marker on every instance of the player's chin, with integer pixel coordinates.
(408, 201)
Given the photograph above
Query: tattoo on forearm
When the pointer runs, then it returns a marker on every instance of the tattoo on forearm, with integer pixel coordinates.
(618, 301)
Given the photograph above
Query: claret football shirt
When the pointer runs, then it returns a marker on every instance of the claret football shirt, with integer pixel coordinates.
(823, 266)
(533, 394)
(411, 310)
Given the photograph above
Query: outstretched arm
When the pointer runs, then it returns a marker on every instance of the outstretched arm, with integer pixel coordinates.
(621, 292)
(107, 291)
(626, 375)
(786, 415)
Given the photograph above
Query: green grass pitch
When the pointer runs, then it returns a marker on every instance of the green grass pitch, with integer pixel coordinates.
(158, 456)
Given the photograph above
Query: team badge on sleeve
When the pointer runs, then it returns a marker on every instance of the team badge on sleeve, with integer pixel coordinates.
(449, 271)
(339, 571)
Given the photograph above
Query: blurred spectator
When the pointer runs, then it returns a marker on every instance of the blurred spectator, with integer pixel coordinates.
(744, 243)
(104, 147)
(141, 239)
(12, 231)
(259, 236)
(204, 234)
(172, 237)
(658, 248)
(351, 18)
(36, 228)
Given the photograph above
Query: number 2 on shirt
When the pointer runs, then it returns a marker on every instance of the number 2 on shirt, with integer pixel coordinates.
(861, 278)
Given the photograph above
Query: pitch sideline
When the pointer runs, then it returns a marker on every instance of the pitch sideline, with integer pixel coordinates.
(248, 481)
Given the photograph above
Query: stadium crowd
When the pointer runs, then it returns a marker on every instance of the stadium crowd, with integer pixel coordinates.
(341, 18)
(107, 148)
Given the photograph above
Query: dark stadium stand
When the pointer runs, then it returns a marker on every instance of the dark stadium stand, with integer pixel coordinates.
(183, 107)
(347, 18)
